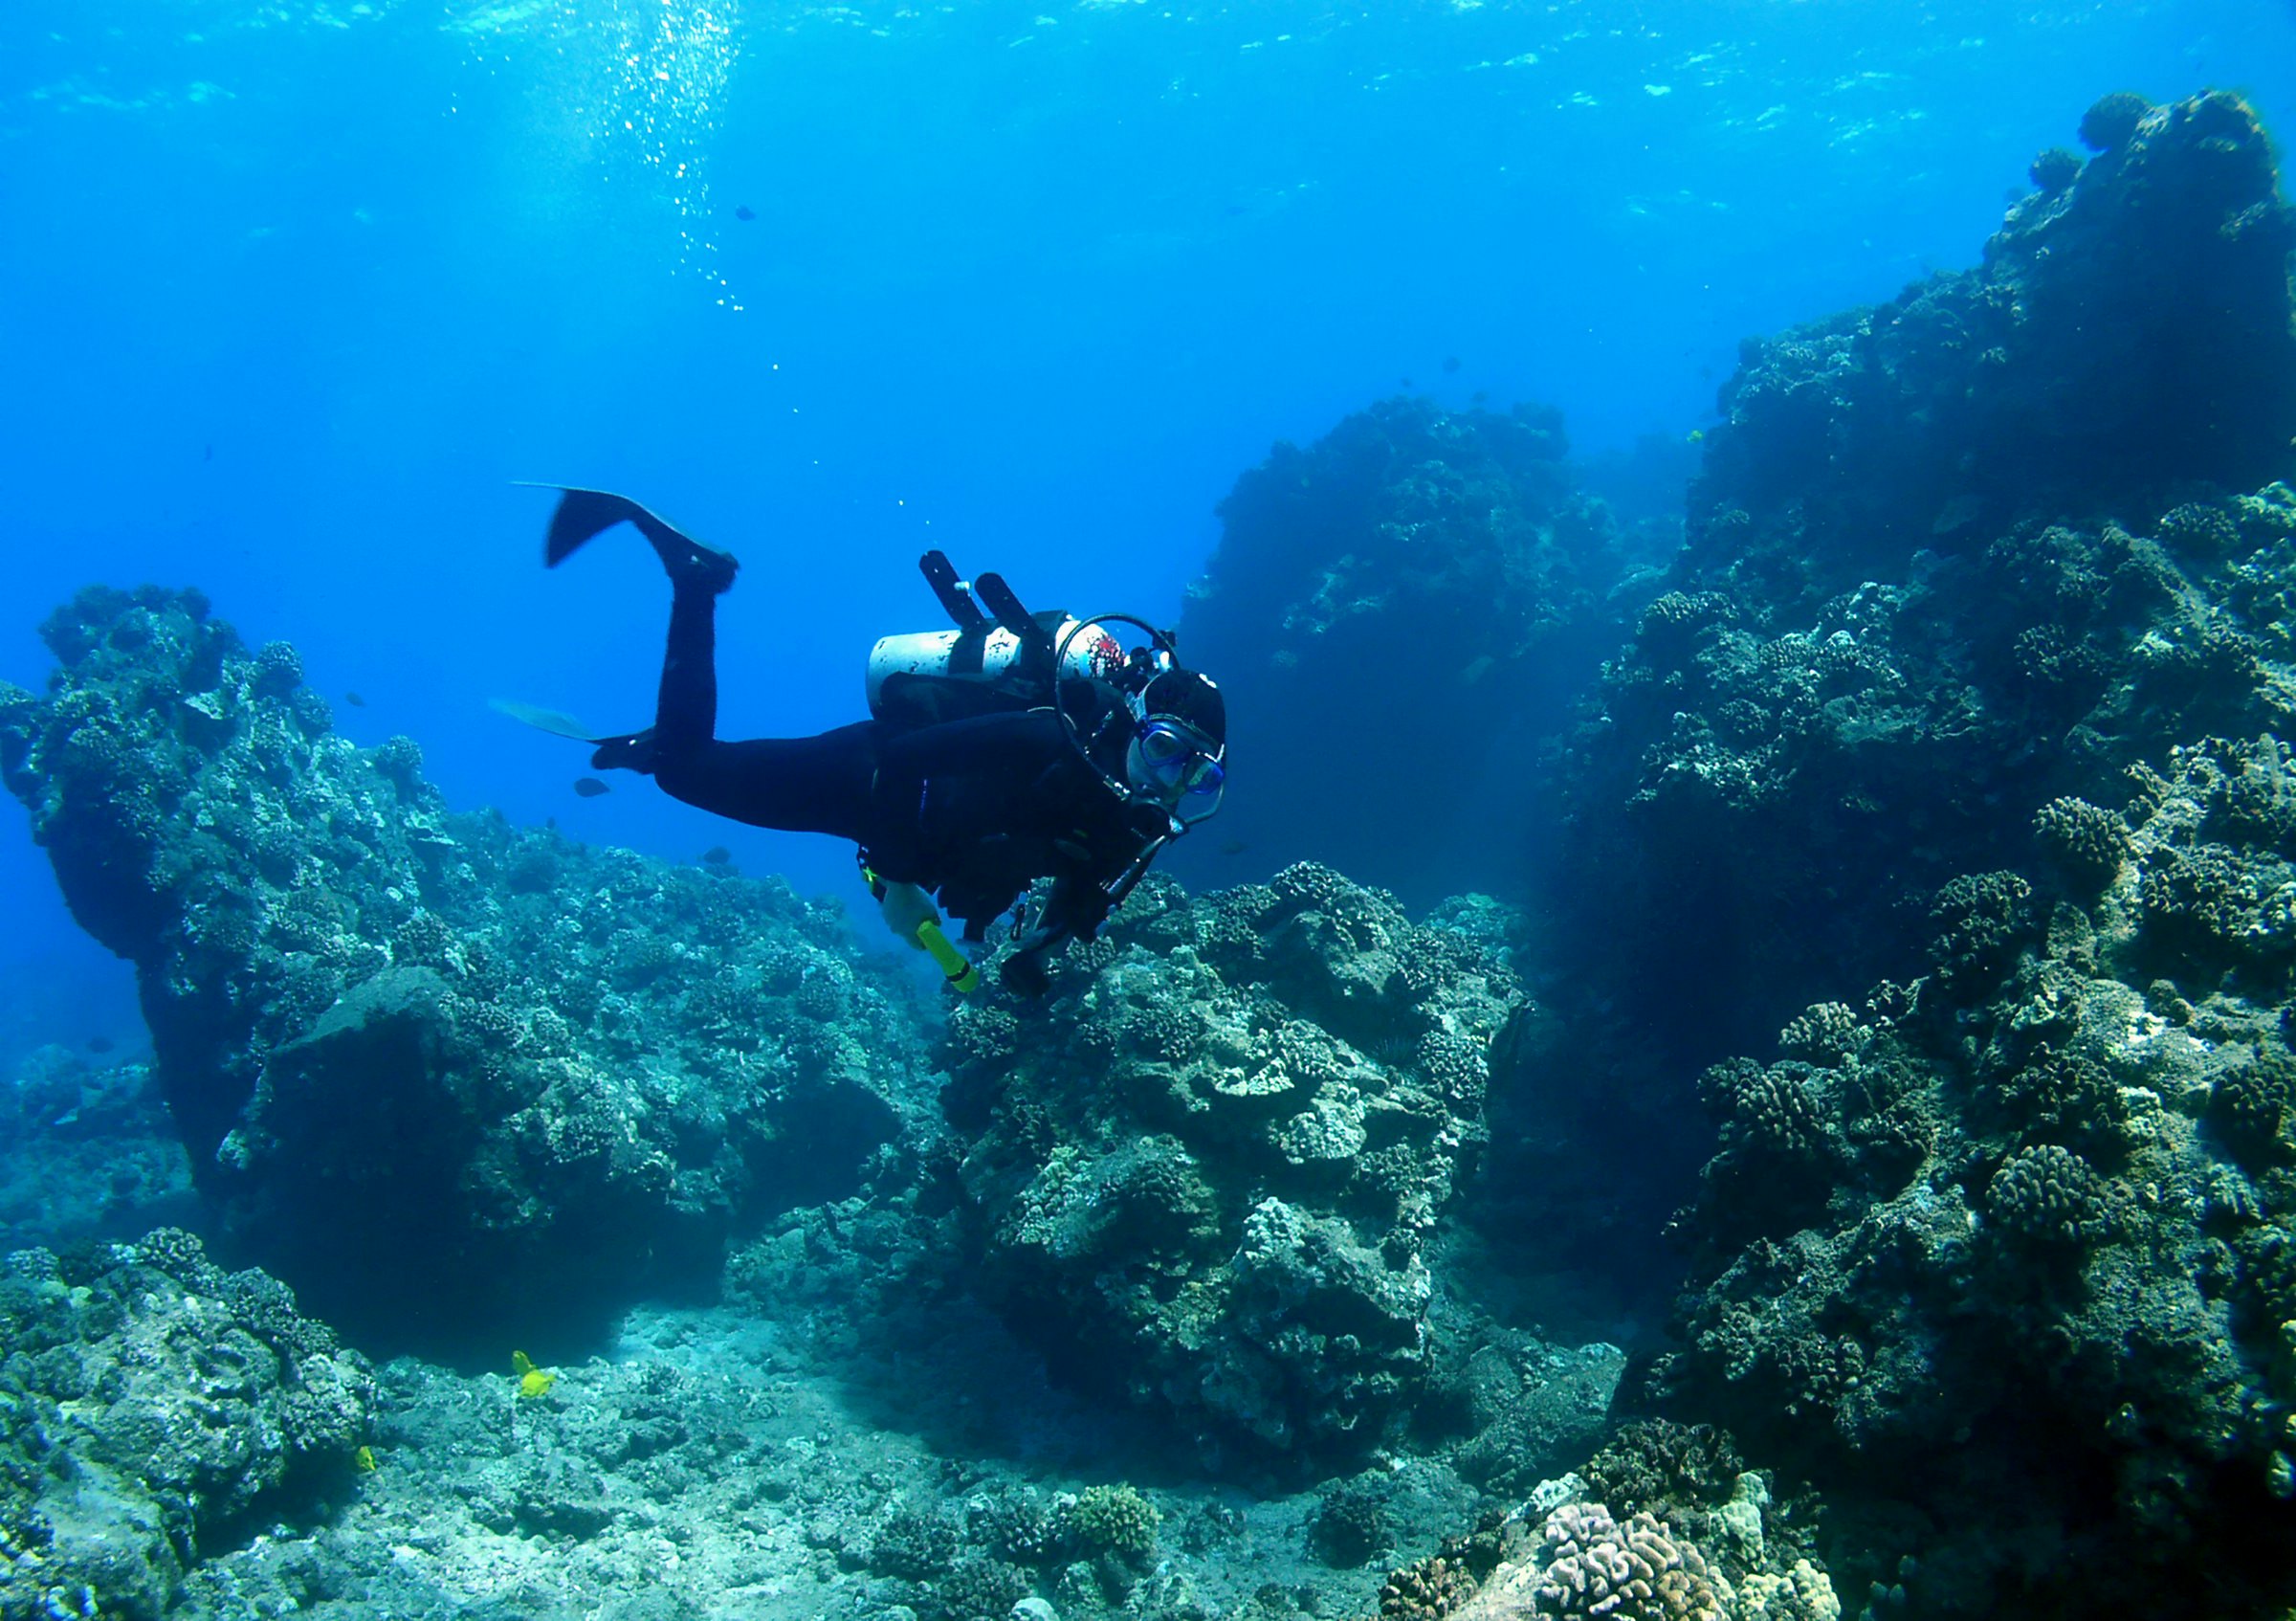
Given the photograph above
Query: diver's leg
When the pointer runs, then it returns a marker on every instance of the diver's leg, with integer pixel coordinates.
(817, 784)
(685, 713)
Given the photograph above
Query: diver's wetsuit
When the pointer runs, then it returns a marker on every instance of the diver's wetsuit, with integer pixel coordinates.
(975, 809)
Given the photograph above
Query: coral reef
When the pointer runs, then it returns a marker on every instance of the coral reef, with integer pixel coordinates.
(452, 1080)
(1949, 777)
(1415, 575)
(1939, 816)
(151, 1405)
(1568, 1555)
(1203, 1170)
(1952, 554)
(2052, 1221)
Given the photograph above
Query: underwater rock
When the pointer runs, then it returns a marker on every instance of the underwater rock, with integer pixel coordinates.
(86, 1151)
(1963, 554)
(1948, 778)
(1202, 1176)
(152, 1401)
(2044, 1232)
(458, 1084)
(1388, 610)
(2126, 333)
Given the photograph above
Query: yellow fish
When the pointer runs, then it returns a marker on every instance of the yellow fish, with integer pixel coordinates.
(365, 1460)
(532, 1380)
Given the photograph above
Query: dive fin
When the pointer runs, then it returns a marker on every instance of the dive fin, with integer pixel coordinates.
(582, 515)
(556, 721)
(633, 751)
(627, 751)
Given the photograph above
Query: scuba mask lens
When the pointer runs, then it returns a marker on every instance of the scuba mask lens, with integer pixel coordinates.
(1181, 764)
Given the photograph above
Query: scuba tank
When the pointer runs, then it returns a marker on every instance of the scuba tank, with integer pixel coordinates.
(989, 662)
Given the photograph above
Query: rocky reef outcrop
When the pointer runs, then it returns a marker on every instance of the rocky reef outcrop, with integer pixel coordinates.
(152, 1405)
(1950, 558)
(86, 1151)
(1963, 726)
(2018, 1231)
(458, 1082)
(1205, 1170)
(1394, 612)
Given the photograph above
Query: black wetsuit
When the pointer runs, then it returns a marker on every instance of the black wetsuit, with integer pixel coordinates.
(975, 810)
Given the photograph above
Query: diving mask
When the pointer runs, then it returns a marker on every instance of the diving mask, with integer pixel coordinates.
(1177, 764)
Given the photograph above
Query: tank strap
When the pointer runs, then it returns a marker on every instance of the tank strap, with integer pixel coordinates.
(968, 655)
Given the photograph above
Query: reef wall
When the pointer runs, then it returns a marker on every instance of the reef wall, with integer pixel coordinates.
(1397, 613)
(1964, 725)
(2017, 1232)
(458, 1082)
(1939, 572)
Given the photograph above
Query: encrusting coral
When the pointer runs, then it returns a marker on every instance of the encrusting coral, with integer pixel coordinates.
(148, 1400)
(1205, 1170)
(1904, 605)
(451, 1079)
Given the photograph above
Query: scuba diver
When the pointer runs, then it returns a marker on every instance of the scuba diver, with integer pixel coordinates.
(1014, 747)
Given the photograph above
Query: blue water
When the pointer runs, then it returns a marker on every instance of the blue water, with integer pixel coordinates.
(291, 293)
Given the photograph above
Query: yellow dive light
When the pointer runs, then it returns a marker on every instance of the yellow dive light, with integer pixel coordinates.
(955, 963)
(910, 913)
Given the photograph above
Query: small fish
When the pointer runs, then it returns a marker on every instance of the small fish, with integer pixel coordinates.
(1234, 846)
(1406, 383)
(1450, 362)
(1477, 669)
(364, 1460)
(1482, 396)
(533, 1381)
(716, 855)
(100, 1044)
(744, 212)
(1697, 436)
(208, 454)
(354, 700)
(591, 788)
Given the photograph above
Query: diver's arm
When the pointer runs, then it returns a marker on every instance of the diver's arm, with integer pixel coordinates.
(1079, 904)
